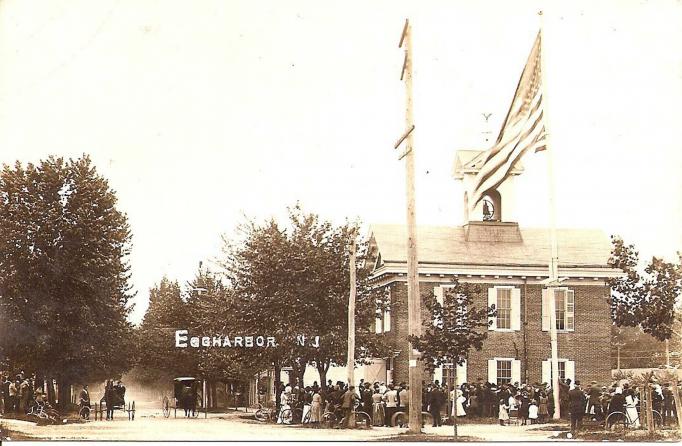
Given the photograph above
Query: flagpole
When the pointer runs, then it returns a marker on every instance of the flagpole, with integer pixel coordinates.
(554, 260)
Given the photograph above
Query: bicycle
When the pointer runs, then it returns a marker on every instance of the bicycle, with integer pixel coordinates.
(84, 412)
(42, 411)
(336, 418)
(621, 422)
(400, 419)
(265, 414)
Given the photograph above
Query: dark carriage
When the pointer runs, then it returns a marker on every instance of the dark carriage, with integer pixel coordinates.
(186, 396)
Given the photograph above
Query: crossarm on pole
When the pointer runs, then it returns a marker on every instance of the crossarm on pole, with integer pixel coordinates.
(402, 36)
(402, 138)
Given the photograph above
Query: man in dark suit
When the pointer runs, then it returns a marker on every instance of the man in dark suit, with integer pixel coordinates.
(436, 401)
(576, 404)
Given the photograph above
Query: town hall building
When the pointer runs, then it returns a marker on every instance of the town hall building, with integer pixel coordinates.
(510, 262)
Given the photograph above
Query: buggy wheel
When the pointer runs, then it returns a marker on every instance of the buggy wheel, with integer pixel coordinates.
(399, 419)
(84, 413)
(165, 407)
(328, 420)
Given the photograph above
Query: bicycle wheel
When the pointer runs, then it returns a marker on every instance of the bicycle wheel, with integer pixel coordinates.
(165, 407)
(658, 420)
(287, 416)
(616, 422)
(363, 420)
(399, 419)
(84, 413)
(306, 419)
(329, 420)
(262, 415)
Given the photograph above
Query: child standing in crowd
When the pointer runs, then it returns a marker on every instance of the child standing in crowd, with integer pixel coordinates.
(543, 411)
(533, 412)
(503, 413)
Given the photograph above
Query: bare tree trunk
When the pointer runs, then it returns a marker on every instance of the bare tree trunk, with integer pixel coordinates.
(454, 403)
(64, 394)
(51, 395)
(278, 372)
(649, 409)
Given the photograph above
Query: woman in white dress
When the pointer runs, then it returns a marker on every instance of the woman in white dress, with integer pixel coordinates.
(285, 403)
(459, 402)
(631, 409)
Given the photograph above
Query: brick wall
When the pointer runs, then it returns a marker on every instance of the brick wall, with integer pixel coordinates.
(588, 345)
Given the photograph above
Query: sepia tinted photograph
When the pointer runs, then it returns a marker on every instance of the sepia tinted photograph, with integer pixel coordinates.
(299, 220)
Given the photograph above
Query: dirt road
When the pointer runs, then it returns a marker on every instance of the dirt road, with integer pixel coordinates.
(150, 425)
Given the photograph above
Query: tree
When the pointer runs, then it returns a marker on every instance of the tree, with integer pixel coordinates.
(158, 358)
(292, 282)
(645, 300)
(64, 289)
(456, 327)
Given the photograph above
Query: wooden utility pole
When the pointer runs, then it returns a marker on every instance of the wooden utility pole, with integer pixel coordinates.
(413, 298)
(351, 317)
(350, 367)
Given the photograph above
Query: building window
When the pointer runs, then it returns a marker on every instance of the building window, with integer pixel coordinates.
(564, 300)
(504, 308)
(565, 309)
(504, 372)
(562, 370)
(507, 302)
(566, 370)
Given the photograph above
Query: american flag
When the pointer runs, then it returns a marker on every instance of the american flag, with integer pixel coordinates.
(523, 130)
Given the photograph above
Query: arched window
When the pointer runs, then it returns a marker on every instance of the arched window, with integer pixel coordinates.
(492, 206)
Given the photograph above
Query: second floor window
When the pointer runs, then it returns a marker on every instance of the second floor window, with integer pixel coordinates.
(504, 308)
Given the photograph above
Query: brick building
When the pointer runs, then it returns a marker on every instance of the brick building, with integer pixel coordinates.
(509, 262)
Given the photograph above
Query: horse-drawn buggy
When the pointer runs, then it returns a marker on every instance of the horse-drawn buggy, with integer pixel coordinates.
(113, 400)
(186, 396)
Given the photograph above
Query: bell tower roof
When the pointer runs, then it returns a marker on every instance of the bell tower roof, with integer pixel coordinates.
(471, 161)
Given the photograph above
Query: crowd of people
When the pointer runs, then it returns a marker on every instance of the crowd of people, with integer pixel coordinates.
(18, 393)
(522, 403)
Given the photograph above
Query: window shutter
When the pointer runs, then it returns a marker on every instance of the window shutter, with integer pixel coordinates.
(545, 310)
(570, 310)
(462, 372)
(438, 374)
(547, 372)
(492, 300)
(516, 309)
(378, 323)
(570, 370)
(438, 293)
(387, 320)
(492, 371)
(516, 371)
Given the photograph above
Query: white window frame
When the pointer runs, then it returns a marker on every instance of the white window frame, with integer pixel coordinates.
(387, 312)
(569, 369)
(515, 369)
(515, 308)
(568, 315)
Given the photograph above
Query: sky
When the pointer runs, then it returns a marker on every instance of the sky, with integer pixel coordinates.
(201, 114)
